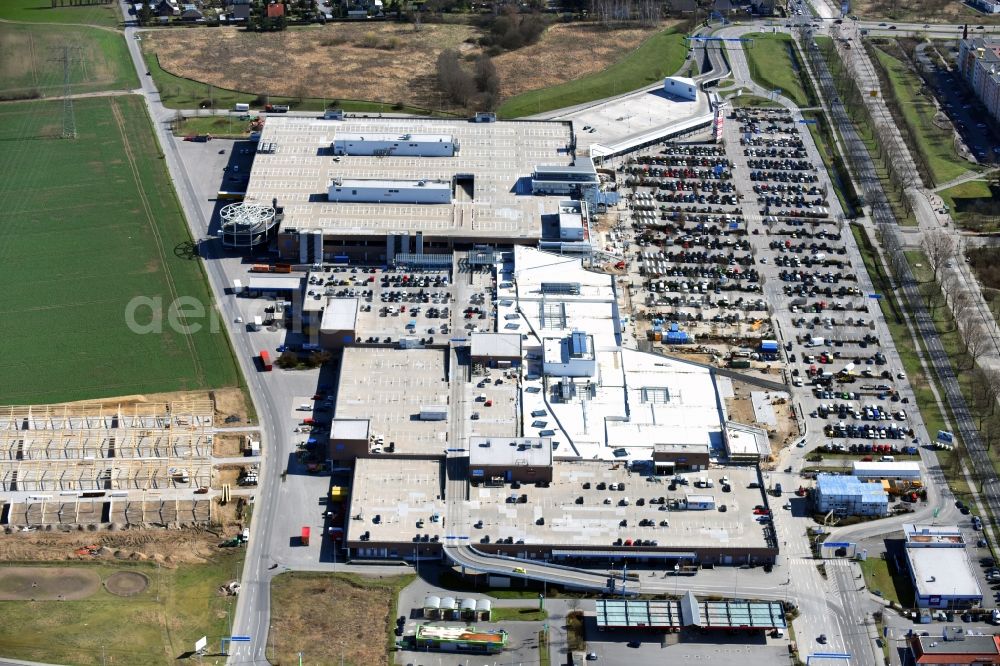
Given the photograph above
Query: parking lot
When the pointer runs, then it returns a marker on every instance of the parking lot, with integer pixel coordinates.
(729, 246)
(596, 505)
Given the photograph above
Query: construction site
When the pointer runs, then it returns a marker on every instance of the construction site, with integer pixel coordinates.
(88, 463)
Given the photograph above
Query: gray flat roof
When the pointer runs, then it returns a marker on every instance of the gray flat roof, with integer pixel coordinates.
(341, 314)
(498, 155)
(388, 387)
(503, 345)
(349, 429)
(510, 451)
(968, 645)
(400, 491)
(595, 525)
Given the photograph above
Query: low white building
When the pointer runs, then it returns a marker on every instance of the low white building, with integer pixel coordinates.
(877, 470)
(942, 575)
(699, 502)
(389, 145)
(358, 190)
(681, 86)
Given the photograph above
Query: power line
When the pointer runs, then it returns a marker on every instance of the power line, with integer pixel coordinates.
(69, 55)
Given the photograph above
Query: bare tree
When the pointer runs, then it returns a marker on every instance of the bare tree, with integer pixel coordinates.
(961, 303)
(940, 248)
(983, 397)
(452, 78)
(977, 339)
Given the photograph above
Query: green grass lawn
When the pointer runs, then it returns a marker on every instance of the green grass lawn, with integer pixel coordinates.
(526, 614)
(894, 585)
(660, 55)
(154, 627)
(42, 11)
(742, 101)
(936, 144)
(178, 92)
(774, 64)
(91, 224)
(29, 66)
(219, 126)
(973, 205)
(843, 186)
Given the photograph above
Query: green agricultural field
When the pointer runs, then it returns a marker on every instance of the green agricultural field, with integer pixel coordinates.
(774, 64)
(89, 225)
(42, 11)
(660, 55)
(154, 627)
(31, 66)
(935, 144)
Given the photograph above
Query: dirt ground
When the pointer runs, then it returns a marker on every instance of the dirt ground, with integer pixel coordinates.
(338, 617)
(168, 547)
(223, 474)
(740, 410)
(227, 402)
(931, 11)
(126, 583)
(47, 584)
(228, 444)
(336, 61)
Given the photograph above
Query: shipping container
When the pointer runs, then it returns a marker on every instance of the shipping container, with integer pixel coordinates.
(282, 268)
(305, 536)
(265, 360)
(260, 268)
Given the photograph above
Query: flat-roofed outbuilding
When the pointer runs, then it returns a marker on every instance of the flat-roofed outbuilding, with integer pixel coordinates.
(689, 611)
(496, 349)
(498, 460)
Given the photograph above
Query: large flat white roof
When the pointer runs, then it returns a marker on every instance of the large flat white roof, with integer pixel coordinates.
(500, 156)
(942, 572)
(632, 120)
(635, 400)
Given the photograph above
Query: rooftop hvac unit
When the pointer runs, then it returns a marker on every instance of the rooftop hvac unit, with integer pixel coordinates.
(572, 288)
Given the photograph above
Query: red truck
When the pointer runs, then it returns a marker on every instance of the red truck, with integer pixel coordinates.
(265, 360)
(268, 268)
(305, 536)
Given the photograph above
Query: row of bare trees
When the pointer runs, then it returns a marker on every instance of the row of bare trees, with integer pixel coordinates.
(479, 88)
(887, 152)
(610, 12)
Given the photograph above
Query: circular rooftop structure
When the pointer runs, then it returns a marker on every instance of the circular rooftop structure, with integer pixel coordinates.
(247, 224)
